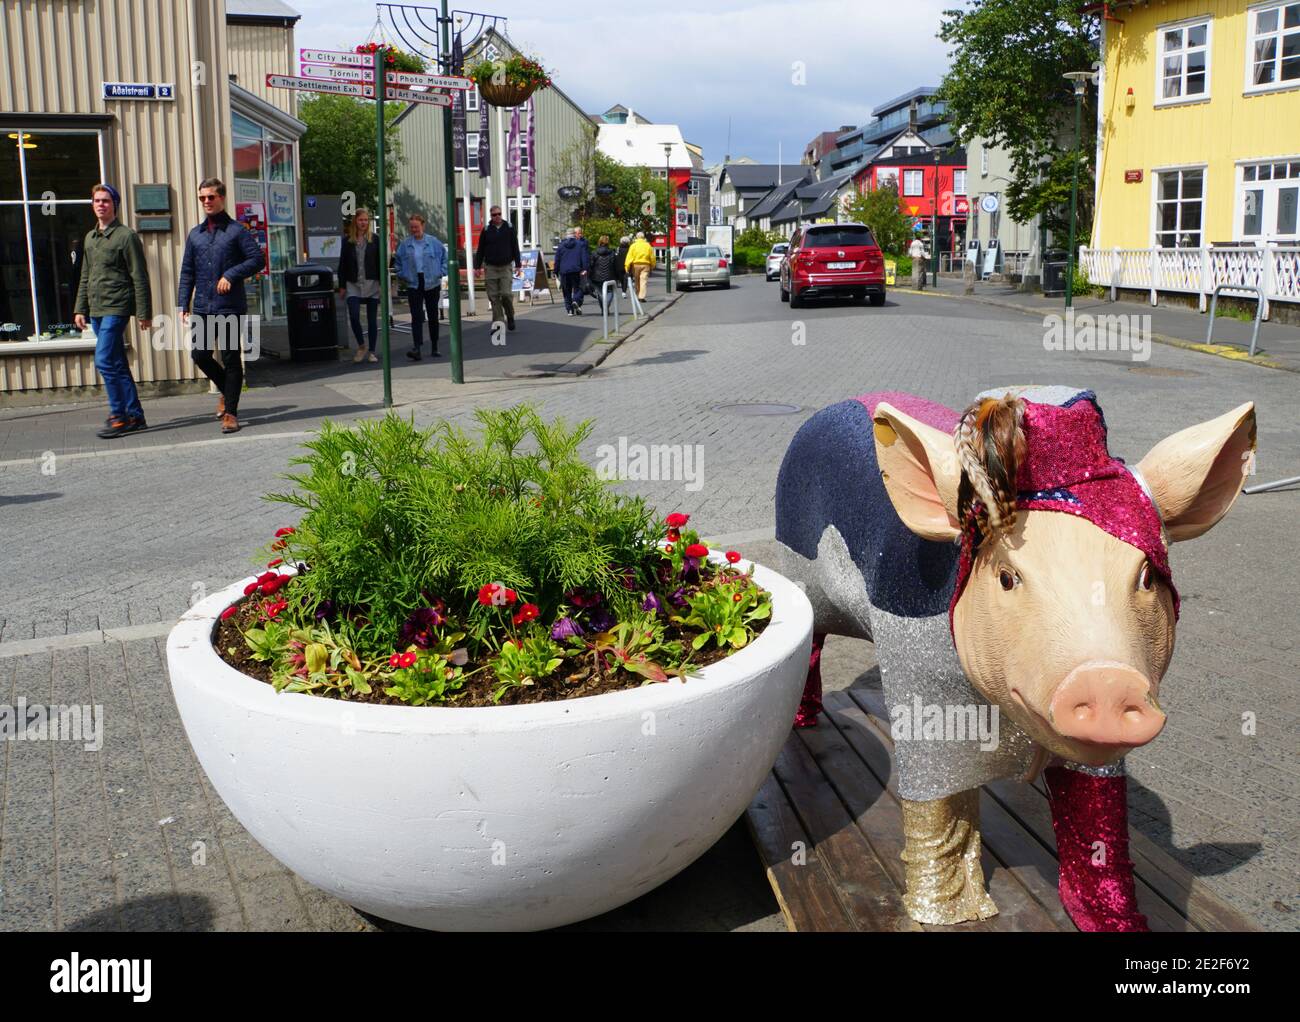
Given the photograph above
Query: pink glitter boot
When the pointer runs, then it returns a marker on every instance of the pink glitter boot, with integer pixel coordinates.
(811, 704)
(1090, 817)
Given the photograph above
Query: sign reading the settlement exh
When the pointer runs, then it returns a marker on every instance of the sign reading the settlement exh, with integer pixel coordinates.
(139, 90)
(320, 85)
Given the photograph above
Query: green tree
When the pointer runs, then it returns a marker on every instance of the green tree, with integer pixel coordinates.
(638, 199)
(881, 209)
(338, 150)
(1006, 86)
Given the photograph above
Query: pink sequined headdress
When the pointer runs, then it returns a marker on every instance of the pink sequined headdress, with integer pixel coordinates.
(1067, 468)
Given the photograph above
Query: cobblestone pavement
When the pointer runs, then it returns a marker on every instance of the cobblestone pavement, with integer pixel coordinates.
(102, 554)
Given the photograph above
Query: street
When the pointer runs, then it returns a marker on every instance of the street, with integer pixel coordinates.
(102, 540)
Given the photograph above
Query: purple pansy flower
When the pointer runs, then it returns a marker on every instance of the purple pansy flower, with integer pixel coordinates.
(652, 602)
(565, 628)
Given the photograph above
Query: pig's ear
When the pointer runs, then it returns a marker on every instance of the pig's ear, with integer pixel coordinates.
(921, 472)
(1196, 473)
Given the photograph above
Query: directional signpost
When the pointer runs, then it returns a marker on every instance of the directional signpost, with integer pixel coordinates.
(343, 73)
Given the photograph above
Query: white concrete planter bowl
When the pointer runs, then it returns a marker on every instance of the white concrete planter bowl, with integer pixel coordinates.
(493, 818)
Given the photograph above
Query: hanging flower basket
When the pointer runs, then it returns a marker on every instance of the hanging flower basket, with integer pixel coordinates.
(508, 83)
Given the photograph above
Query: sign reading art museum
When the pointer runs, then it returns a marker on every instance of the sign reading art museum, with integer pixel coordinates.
(139, 90)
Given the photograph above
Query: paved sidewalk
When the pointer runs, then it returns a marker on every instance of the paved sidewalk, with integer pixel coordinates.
(285, 396)
(1278, 346)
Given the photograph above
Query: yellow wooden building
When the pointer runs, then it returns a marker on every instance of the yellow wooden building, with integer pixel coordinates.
(1198, 146)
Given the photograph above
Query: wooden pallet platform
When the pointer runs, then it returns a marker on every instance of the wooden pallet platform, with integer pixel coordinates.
(829, 830)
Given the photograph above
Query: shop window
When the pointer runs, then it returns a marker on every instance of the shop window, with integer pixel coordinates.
(471, 150)
(1273, 48)
(248, 159)
(1180, 201)
(279, 161)
(241, 125)
(40, 239)
(1184, 63)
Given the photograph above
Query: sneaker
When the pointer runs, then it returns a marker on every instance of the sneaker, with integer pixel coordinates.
(229, 424)
(121, 426)
(578, 311)
(373, 357)
(360, 356)
(414, 356)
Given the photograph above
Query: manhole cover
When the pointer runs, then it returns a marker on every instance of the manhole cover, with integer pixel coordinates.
(757, 408)
(1162, 371)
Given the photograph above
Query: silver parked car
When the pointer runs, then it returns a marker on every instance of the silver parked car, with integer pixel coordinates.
(702, 264)
(774, 259)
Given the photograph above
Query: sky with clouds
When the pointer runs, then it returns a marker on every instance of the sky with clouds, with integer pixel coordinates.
(702, 65)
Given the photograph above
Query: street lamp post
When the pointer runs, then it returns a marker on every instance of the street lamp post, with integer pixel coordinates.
(934, 225)
(1080, 81)
(668, 232)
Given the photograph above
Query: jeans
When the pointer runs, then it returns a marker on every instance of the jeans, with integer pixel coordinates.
(498, 281)
(110, 361)
(420, 302)
(571, 284)
(372, 320)
(222, 332)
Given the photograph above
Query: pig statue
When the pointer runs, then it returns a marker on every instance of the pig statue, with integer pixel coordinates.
(1009, 571)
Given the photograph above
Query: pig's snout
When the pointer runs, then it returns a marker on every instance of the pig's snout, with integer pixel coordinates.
(1107, 704)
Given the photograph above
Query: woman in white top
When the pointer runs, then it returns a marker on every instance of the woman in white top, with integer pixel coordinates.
(359, 277)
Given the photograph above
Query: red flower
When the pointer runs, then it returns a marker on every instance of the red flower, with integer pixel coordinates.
(527, 612)
(407, 659)
(511, 596)
(279, 544)
(668, 549)
(676, 520)
(732, 557)
(251, 588)
(486, 593)
(276, 563)
(288, 530)
(697, 550)
(736, 598)
(395, 660)
(228, 613)
(674, 535)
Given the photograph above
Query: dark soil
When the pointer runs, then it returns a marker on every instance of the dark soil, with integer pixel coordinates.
(584, 678)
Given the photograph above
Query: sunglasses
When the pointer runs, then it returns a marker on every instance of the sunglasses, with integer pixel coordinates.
(209, 198)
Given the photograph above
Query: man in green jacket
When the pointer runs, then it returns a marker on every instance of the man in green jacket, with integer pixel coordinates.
(114, 287)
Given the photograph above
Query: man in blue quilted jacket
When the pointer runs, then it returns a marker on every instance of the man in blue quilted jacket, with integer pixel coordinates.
(220, 254)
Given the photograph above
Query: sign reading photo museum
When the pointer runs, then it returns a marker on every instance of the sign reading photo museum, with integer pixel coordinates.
(139, 90)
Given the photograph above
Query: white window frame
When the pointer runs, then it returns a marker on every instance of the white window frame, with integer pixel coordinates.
(471, 151)
(1184, 26)
(1270, 188)
(907, 189)
(1156, 173)
(984, 161)
(1279, 34)
(471, 100)
(959, 174)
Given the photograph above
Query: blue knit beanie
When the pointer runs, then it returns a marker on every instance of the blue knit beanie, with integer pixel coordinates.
(113, 194)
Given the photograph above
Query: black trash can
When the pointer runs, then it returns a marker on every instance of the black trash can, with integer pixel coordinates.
(313, 321)
(1055, 267)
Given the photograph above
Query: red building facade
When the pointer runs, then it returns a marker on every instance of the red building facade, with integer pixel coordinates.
(921, 183)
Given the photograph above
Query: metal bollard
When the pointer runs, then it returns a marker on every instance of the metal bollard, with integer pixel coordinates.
(604, 306)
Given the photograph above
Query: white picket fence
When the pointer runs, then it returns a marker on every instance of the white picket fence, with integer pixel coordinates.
(1276, 271)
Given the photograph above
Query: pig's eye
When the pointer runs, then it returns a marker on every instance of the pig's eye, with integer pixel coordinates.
(1008, 579)
(1146, 581)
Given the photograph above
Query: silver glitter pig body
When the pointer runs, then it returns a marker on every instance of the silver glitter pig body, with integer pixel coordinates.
(1014, 579)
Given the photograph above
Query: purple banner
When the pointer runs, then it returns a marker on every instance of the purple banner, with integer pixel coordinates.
(512, 152)
(532, 148)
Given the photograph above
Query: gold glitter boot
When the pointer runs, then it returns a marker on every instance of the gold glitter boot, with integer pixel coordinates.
(945, 882)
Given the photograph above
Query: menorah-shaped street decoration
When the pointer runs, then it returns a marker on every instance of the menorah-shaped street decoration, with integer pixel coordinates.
(365, 76)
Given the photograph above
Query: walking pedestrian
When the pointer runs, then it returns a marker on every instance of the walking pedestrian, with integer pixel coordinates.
(359, 277)
(220, 254)
(919, 255)
(604, 267)
(420, 263)
(640, 258)
(498, 248)
(623, 244)
(572, 263)
(114, 287)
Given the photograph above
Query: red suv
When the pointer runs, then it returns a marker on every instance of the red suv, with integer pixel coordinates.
(826, 259)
